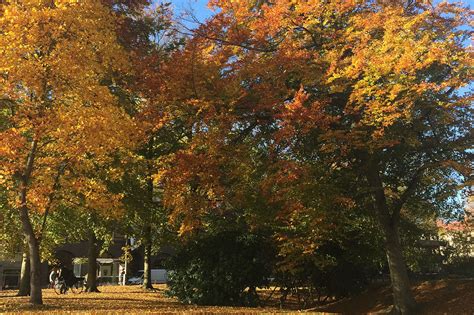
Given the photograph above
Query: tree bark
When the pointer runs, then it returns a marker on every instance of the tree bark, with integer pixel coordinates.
(51, 198)
(146, 260)
(92, 264)
(403, 300)
(24, 289)
(147, 285)
(36, 296)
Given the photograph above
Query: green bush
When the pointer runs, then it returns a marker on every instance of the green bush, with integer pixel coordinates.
(331, 270)
(221, 269)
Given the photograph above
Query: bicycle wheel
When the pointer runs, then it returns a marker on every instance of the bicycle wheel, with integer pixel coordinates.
(58, 285)
(77, 287)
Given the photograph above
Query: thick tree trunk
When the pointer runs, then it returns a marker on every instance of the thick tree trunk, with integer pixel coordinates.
(92, 264)
(33, 244)
(24, 289)
(403, 300)
(36, 296)
(146, 260)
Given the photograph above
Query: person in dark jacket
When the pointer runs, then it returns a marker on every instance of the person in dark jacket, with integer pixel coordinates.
(69, 279)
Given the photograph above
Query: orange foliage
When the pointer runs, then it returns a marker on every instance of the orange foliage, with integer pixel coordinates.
(347, 72)
(54, 61)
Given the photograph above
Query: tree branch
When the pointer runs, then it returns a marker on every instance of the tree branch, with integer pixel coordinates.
(51, 197)
(230, 43)
(409, 191)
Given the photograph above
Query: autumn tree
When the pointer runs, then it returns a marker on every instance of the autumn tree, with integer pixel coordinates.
(11, 240)
(372, 89)
(10, 246)
(55, 56)
(150, 40)
(87, 210)
(145, 219)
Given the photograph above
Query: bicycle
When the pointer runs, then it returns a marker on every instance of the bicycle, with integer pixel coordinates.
(60, 286)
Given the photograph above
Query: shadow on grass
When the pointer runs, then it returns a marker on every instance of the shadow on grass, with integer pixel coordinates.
(11, 296)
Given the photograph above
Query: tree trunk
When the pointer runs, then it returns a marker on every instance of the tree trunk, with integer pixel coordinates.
(36, 296)
(147, 285)
(25, 275)
(92, 264)
(146, 260)
(403, 300)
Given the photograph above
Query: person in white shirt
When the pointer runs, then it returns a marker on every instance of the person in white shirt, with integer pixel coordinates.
(53, 276)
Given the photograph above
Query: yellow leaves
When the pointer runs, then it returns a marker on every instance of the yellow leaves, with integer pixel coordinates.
(72, 43)
(388, 52)
(5, 177)
(11, 144)
(159, 177)
(58, 63)
(90, 194)
(395, 91)
(96, 129)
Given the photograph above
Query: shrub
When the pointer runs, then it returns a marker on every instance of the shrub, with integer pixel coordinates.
(221, 269)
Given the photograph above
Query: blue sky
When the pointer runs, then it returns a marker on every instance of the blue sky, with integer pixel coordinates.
(199, 7)
(470, 2)
(202, 12)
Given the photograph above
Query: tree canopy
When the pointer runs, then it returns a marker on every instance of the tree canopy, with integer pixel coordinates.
(341, 129)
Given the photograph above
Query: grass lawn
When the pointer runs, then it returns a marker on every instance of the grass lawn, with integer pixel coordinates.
(434, 297)
(113, 299)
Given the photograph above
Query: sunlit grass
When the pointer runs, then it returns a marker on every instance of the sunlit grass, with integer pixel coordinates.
(112, 299)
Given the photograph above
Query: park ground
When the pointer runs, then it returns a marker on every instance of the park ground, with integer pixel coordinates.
(435, 297)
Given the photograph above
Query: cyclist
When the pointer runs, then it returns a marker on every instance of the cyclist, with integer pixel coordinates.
(68, 279)
(53, 276)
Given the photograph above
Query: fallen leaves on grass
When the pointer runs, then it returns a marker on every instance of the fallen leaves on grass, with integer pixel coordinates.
(111, 300)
